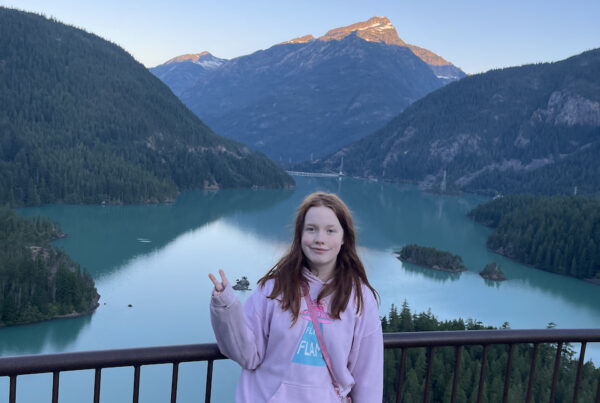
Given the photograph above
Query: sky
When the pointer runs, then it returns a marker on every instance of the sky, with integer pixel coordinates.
(475, 35)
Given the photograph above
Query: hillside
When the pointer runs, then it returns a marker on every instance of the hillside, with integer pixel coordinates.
(308, 97)
(82, 122)
(533, 129)
(560, 234)
(37, 280)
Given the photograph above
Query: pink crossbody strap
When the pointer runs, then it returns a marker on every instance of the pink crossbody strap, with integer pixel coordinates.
(315, 322)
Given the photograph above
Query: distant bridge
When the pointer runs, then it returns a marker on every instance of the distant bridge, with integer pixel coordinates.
(321, 174)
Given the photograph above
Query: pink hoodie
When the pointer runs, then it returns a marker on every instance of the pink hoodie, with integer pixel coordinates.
(283, 363)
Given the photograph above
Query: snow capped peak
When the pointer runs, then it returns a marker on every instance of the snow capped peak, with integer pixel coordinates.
(375, 29)
(204, 59)
(302, 39)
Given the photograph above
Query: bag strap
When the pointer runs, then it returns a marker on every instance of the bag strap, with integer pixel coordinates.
(315, 322)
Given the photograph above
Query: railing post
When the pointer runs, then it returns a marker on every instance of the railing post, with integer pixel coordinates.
(555, 372)
(136, 383)
(97, 380)
(531, 372)
(401, 376)
(456, 371)
(431, 351)
(482, 373)
(579, 371)
(174, 382)
(55, 381)
(511, 348)
(209, 372)
(12, 396)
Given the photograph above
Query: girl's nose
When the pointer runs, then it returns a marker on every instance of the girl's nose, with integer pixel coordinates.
(318, 237)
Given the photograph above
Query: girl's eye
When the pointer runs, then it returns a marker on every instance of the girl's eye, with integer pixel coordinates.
(330, 231)
(309, 229)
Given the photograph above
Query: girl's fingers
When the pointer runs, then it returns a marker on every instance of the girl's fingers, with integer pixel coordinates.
(218, 285)
(223, 278)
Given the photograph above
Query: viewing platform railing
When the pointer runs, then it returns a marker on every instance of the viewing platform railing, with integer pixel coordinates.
(13, 367)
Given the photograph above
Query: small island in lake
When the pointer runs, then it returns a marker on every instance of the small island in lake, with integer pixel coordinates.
(432, 258)
(242, 285)
(492, 271)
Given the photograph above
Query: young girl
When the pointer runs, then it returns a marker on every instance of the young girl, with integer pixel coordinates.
(272, 336)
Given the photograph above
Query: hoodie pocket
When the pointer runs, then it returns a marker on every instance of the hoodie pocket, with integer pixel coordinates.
(291, 393)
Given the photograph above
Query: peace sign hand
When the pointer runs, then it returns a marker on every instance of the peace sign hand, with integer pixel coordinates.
(219, 285)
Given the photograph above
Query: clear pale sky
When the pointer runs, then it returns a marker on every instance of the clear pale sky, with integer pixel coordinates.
(475, 35)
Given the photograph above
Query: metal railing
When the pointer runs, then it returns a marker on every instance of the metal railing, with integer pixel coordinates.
(13, 367)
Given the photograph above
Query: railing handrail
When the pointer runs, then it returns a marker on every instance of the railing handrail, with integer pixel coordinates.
(487, 337)
(44, 363)
(81, 360)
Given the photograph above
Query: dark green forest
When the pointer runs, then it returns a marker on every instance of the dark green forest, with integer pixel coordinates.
(528, 129)
(431, 257)
(37, 280)
(560, 234)
(82, 122)
(470, 366)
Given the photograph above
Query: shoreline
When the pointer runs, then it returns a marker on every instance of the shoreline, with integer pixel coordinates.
(95, 304)
(434, 267)
(595, 281)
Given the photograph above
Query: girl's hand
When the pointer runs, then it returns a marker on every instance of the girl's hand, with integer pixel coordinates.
(219, 285)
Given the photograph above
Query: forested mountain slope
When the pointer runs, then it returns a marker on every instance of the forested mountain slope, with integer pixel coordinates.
(82, 121)
(533, 129)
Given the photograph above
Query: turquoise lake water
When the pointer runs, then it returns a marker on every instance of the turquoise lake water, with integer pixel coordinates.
(157, 258)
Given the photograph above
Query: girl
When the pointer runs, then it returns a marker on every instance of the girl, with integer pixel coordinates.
(273, 337)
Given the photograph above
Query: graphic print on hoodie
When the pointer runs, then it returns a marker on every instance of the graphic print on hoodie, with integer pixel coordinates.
(308, 351)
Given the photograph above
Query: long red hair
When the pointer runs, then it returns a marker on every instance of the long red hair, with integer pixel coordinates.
(349, 272)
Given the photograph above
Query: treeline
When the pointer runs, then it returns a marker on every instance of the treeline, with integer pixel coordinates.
(560, 234)
(470, 366)
(82, 122)
(37, 280)
(431, 257)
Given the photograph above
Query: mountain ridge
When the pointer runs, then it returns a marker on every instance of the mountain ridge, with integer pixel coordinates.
(532, 129)
(338, 87)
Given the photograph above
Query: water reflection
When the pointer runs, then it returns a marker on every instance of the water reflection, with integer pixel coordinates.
(491, 283)
(432, 274)
(37, 337)
(104, 238)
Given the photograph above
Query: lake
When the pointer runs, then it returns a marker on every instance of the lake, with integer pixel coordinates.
(157, 258)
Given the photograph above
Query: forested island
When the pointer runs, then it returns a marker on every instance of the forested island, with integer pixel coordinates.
(492, 271)
(37, 280)
(468, 381)
(560, 234)
(432, 258)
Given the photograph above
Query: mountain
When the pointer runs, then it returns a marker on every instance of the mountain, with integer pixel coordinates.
(306, 97)
(528, 129)
(183, 72)
(82, 121)
(380, 29)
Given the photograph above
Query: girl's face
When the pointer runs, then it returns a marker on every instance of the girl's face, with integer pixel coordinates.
(322, 238)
